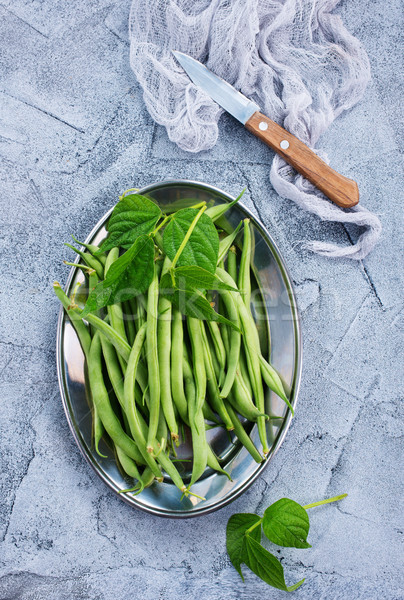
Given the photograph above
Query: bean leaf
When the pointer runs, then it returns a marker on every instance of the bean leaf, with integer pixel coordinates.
(265, 565)
(134, 215)
(286, 523)
(202, 247)
(128, 276)
(237, 526)
(191, 302)
(193, 277)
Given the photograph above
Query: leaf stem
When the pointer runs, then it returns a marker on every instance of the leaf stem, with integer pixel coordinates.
(163, 222)
(249, 530)
(199, 205)
(327, 501)
(126, 191)
(187, 236)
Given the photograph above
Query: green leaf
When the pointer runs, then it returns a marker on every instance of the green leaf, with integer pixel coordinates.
(265, 565)
(127, 277)
(286, 523)
(191, 302)
(198, 278)
(203, 245)
(133, 216)
(237, 526)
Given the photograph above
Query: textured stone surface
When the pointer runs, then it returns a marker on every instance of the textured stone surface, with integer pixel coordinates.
(73, 134)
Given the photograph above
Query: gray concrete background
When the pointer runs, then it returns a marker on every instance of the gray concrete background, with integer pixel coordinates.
(75, 133)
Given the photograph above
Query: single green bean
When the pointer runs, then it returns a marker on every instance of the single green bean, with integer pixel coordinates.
(177, 381)
(121, 345)
(98, 431)
(243, 436)
(129, 322)
(128, 465)
(220, 351)
(214, 393)
(217, 211)
(74, 315)
(115, 312)
(243, 404)
(233, 344)
(242, 365)
(93, 250)
(232, 264)
(195, 334)
(197, 424)
(152, 358)
(244, 278)
(225, 244)
(130, 405)
(274, 382)
(89, 260)
(164, 351)
(214, 464)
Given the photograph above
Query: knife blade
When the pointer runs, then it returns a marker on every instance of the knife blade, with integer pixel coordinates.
(341, 190)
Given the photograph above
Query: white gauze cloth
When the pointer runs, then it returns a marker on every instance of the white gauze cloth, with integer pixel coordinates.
(294, 58)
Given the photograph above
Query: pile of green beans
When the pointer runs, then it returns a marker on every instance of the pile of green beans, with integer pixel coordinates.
(167, 371)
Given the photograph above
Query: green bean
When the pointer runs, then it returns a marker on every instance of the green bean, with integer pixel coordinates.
(220, 352)
(89, 260)
(214, 464)
(164, 350)
(242, 365)
(74, 315)
(195, 334)
(214, 394)
(152, 358)
(116, 340)
(225, 244)
(129, 322)
(252, 349)
(232, 264)
(115, 312)
(243, 436)
(217, 211)
(273, 381)
(102, 402)
(130, 405)
(233, 344)
(197, 424)
(177, 382)
(93, 250)
(243, 404)
(129, 466)
(244, 278)
(98, 431)
(148, 477)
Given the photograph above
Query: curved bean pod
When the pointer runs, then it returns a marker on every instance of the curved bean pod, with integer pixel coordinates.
(243, 436)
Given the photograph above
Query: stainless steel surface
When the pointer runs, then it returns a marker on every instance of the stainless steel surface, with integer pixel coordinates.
(219, 90)
(275, 307)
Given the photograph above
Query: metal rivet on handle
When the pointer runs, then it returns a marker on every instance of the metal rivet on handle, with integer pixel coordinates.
(284, 144)
(263, 126)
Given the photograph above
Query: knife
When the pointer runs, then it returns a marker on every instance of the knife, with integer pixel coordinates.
(341, 190)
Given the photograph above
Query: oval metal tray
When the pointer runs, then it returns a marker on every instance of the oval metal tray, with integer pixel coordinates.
(279, 328)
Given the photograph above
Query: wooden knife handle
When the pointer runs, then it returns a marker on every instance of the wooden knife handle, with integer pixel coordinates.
(336, 187)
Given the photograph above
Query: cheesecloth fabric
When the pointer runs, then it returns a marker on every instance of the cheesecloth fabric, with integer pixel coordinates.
(294, 58)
